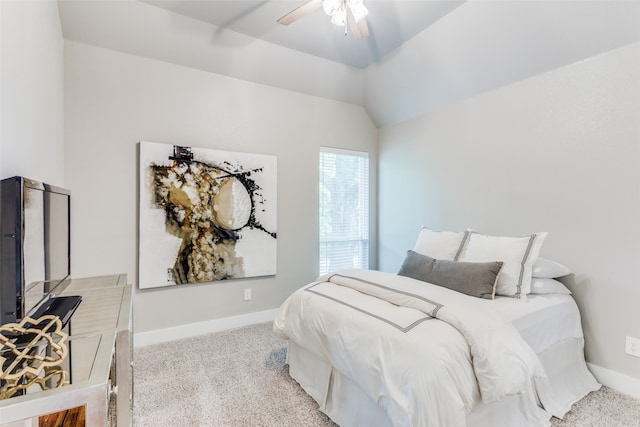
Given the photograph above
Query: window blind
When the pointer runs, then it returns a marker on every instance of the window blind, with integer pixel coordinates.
(344, 209)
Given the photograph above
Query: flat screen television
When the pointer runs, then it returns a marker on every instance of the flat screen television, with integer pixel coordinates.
(36, 248)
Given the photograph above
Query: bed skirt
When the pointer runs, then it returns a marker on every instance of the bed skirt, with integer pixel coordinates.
(346, 403)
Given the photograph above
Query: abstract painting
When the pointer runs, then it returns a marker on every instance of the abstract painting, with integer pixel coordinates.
(205, 215)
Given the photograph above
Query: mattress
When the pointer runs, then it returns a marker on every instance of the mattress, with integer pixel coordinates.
(550, 324)
(542, 320)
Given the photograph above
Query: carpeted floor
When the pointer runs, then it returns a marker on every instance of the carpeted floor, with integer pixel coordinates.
(238, 378)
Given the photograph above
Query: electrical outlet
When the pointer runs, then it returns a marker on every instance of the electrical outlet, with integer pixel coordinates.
(247, 294)
(632, 346)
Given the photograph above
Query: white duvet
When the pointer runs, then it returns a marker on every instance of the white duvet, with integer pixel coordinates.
(423, 353)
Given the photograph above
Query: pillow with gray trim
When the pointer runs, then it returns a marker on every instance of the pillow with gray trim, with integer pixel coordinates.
(477, 279)
(517, 253)
(446, 245)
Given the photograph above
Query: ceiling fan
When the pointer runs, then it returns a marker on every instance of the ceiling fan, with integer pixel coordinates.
(341, 12)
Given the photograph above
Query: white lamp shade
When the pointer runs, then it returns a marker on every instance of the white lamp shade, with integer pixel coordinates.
(340, 17)
(337, 10)
(331, 6)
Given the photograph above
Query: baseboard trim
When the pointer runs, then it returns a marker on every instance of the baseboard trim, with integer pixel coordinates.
(617, 381)
(160, 336)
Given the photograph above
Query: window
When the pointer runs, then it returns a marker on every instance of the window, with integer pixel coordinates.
(344, 209)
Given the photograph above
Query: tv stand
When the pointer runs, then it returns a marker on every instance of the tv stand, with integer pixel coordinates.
(98, 362)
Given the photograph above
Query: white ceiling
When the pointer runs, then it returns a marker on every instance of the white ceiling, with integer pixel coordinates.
(421, 55)
(390, 22)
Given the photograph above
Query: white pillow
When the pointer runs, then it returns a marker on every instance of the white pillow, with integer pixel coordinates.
(517, 253)
(548, 286)
(444, 245)
(547, 269)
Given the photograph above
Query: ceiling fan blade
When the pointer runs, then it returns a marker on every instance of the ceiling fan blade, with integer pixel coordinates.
(299, 12)
(360, 29)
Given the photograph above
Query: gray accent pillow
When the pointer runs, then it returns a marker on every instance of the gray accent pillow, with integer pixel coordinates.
(477, 279)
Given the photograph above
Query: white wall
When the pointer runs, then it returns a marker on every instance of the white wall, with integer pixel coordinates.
(145, 30)
(114, 100)
(559, 152)
(483, 45)
(32, 91)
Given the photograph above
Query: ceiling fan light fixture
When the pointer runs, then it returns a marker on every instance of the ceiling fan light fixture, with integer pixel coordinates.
(337, 9)
(342, 12)
(340, 17)
(332, 6)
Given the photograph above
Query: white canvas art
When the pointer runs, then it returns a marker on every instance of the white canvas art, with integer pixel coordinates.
(205, 215)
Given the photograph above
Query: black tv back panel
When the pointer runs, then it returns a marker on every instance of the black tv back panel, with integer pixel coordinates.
(35, 245)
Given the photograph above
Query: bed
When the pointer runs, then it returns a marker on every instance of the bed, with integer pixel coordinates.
(384, 349)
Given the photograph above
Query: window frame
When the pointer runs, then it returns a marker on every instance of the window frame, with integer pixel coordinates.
(364, 210)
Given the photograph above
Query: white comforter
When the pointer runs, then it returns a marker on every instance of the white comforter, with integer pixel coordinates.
(423, 353)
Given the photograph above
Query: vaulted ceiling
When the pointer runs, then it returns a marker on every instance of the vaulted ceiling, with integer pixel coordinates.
(391, 23)
(420, 55)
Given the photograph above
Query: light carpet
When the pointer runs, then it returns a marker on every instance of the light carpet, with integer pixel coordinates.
(238, 378)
